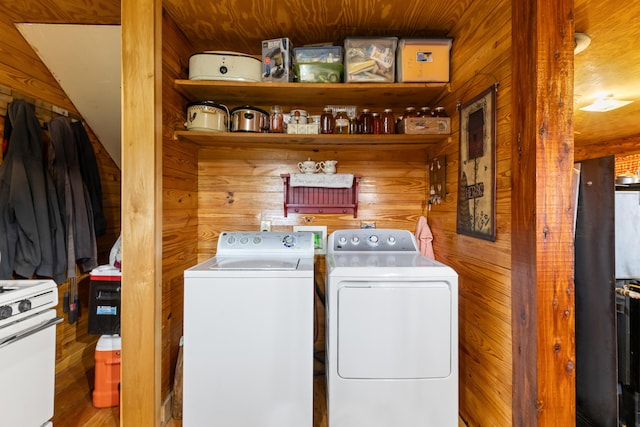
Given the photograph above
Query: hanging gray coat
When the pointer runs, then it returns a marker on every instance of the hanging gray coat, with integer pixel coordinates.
(31, 232)
(73, 199)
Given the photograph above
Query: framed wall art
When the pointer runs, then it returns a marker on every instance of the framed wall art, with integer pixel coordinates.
(476, 214)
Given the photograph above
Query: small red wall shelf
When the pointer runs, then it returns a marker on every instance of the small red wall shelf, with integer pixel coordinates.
(320, 200)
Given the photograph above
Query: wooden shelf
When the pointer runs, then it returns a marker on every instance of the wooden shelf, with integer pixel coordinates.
(248, 139)
(319, 200)
(312, 95)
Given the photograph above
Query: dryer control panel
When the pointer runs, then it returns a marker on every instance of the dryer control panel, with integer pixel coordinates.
(372, 240)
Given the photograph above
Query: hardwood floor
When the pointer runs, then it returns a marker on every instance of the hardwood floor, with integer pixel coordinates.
(73, 400)
(74, 407)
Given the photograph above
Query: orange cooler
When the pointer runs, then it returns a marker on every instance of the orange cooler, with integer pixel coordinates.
(107, 378)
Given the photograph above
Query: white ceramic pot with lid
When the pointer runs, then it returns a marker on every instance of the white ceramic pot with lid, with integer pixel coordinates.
(309, 166)
(207, 116)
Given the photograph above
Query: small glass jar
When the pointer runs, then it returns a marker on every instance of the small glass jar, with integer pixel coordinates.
(341, 122)
(425, 112)
(276, 120)
(439, 112)
(354, 125)
(387, 122)
(377, 123)
(409, 112)
(365, 122)
(327, 122)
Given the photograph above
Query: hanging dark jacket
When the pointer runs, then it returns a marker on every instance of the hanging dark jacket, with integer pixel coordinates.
(90, 176)
(31, 233)
(73, 199)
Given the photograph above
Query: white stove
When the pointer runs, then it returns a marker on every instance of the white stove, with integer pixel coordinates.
(28, 351)
(23, 298)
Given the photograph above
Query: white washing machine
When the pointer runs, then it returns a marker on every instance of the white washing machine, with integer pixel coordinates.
(392, 333)
(248, 333)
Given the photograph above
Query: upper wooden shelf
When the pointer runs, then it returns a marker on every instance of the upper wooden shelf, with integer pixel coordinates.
(310, 95)
(274, 140)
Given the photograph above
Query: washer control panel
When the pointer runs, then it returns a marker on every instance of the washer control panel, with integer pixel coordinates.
(372, 239)
(238, 242)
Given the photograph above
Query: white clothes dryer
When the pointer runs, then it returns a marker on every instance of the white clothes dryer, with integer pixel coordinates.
(392, 332)
(248, 333)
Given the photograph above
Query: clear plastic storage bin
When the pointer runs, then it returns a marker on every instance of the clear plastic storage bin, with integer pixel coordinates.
(370, 59)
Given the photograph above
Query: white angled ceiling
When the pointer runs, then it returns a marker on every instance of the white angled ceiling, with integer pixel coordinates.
(85, 60)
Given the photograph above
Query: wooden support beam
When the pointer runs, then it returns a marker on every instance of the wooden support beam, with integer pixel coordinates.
(141, 212)
(542, 214)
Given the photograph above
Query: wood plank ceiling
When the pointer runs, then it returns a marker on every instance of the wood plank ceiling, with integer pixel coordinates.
(611, 64)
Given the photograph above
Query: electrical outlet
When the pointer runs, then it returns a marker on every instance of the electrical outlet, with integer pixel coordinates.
(320, 239)
(265, 225)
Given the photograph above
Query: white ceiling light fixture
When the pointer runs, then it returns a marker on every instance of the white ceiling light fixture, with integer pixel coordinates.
(605, 103)
(581, 42)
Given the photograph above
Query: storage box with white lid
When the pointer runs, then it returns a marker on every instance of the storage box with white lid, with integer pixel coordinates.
(423, 60)
(370, 59)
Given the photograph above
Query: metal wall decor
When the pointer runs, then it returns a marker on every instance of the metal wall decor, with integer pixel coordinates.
(476, 214)
(437, 180)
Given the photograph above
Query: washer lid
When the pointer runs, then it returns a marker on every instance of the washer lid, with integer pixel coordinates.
(252, 263)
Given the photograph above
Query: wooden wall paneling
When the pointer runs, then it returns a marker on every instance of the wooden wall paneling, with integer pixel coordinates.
(22, 70)
(481, 56)
(142, 209)
(179, 201)
(75, 11)
(615, 147)
(243, 32)
(542, 256)
(237, 194)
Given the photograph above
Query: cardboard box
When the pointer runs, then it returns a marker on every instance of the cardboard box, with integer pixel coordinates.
(302, 129)
(423, 60)
(370, 59)
(276, 60)
(425, 126)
